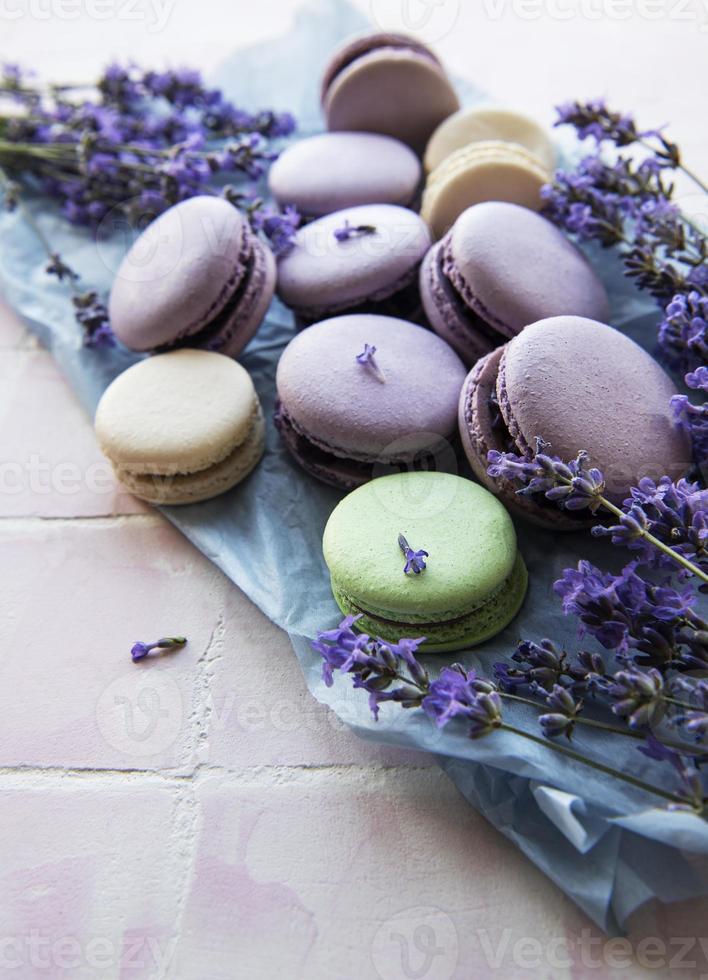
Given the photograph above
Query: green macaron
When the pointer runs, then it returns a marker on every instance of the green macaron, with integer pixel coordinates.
(474, 579)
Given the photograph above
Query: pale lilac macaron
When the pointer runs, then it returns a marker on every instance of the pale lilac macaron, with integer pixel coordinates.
(387, 83)
(579, 385)
(197, 277)
(499, 268)
(360, 394)
(362, 259)
(332, 171)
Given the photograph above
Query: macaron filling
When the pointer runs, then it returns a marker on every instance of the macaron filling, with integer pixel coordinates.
(399, 299)
(484, 619)
(334, 464)
(162, 485)
(238, 297)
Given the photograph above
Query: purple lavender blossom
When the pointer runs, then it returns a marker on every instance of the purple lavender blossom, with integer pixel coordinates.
(636, 695)
(538, 667)
(348, 231)
(92, 314)
(368, 360)
(561, 720)
(460, 693)
(415, 560)
(683, 333)
(373, 664)
(574, 486)
(141, 650)
(694, 419)
(689, 776)
(278, 227)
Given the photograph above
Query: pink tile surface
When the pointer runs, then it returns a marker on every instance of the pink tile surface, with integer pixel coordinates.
(81, 867)
(51, 465)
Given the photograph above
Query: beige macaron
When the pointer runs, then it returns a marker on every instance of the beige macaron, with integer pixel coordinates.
(485, 171)
(181, 427)
(483, 123)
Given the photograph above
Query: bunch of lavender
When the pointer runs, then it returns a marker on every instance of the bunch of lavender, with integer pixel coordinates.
(616, 200)
(392, 672)
(133, 145)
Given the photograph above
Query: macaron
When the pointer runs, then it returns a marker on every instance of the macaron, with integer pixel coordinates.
(474, 579)
(500, 268)
(579, 385)
(197, 277)
(490, 170)
(483, 123)
(387, 83)
(363, 259)
(362, 393)
(332, 171)
(181, 427)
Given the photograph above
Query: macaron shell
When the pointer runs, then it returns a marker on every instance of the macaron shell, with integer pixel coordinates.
(179, 274)
(466, 531)
(479, 435)
(484, 123)
(322, 275)
(251, 310)
(394, 91)
(342, 406)
(581, 385)
(332, 171)
(365, 43)
(179, 412)
(466, 631)
(190, 488)
(443, 310)
(513, 267)
(487, 171)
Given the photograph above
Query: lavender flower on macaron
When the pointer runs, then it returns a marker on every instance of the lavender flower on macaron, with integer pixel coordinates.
(415, 560)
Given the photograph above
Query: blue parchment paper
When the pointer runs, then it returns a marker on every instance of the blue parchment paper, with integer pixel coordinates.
(606, 845)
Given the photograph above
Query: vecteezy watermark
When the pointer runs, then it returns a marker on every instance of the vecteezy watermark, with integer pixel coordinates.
(416, 944)
(42, 478)
(508, 951)
(153, 13)
(36, 951)
(140, 713)
(687, 11)
(429, 20)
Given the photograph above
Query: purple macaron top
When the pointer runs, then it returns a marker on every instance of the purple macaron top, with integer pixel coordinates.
(180, 273)
(353, 256)
(365, 406)
(365, 44)
(512, 267)
(332, 171)
(583, 385)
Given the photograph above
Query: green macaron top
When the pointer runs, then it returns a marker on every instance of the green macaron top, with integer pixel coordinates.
(468, 534)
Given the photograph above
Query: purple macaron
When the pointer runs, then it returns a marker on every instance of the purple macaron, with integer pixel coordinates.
(332, 171)
(362, 393)
(579, 385)
(362, 259)
(387, 83)
(500, 268)
(197, 277)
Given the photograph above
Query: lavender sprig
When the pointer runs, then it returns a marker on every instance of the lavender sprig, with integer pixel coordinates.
(457, 694)
(141, 650)
(578, 485)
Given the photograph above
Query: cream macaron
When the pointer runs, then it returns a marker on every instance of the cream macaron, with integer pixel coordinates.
(490, 170)
(181, 427)
(475, 124)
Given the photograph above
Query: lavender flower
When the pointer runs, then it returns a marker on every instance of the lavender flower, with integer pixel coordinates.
(367, 360)
(561, 721)
(538, 666)
(348, 231)
(689, 777)
(92, 314)
(374, 664)
(694, 419)
(279, 228)
(575, 486)
(460, 693)
(415, 560)
(593, 119)
(683, 333)
(141, 650)
(636, 695)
